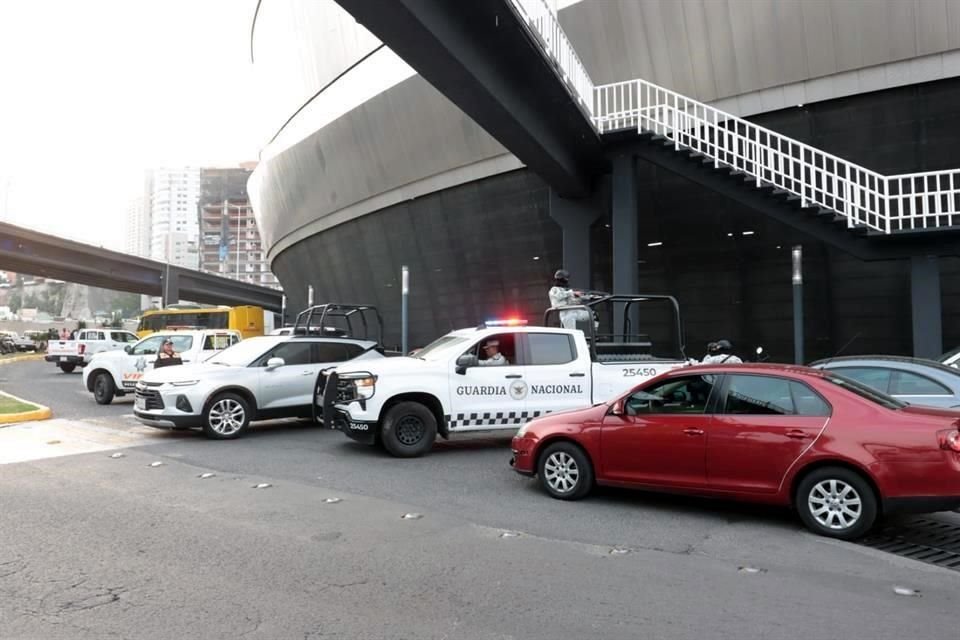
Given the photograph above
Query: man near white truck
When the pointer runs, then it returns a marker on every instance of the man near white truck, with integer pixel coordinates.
(404, 403)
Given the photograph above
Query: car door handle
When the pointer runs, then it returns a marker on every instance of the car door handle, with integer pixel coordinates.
(691, 431)
(306, 373)
(796, 434)
(578, 375)
(512, 376)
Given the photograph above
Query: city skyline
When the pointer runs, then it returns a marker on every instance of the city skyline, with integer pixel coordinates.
(78, 131)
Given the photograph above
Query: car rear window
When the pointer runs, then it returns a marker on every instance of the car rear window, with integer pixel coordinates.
(864, 391)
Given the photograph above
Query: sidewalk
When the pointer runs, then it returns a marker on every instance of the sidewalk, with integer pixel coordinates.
(60, 437)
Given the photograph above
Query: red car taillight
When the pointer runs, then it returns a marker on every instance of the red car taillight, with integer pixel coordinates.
(83, 348)
(949, 440)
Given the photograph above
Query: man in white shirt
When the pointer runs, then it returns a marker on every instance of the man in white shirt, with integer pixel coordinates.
(491, 349)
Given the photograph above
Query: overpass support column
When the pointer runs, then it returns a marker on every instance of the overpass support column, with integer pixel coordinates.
(575, 218)
(925, 305)
(170, 285)
(624, 226)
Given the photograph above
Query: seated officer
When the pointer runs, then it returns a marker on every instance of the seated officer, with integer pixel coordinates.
(167, 356)
(491, 350)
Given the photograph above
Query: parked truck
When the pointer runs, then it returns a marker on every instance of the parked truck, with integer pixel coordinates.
(70, 354)
(458, 383)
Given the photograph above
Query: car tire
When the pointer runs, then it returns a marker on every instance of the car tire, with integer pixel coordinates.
(226, 416)
(103, 388)
(837, 503)
(565, 471)
(409, 430)
(67, 367)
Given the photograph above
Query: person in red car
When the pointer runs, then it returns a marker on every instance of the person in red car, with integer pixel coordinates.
(836, 451)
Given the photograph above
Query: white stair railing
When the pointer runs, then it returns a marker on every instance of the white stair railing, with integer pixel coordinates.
(883, 203)
(543, 24)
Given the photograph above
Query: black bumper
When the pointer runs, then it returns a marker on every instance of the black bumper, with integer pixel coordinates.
(69, 359)
(365, 432)
(921, 504)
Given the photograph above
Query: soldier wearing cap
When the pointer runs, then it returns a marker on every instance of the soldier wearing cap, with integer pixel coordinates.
(491, 349)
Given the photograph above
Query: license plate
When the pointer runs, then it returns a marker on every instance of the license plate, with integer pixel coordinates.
(141, 403)
(63, 358)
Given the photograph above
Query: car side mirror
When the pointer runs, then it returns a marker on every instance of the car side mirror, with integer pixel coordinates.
(617, 408)
(128, 348)
(466, 361)
(273, 363)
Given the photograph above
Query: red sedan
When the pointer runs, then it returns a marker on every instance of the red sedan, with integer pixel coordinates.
(839, 452)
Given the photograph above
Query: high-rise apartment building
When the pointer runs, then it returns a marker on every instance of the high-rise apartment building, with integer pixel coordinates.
(174, 226)
(229, 238)
(136, 228)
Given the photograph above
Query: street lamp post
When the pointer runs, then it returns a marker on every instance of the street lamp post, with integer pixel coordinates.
(797, 304)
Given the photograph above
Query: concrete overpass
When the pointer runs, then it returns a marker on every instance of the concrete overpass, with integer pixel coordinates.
(27, 251)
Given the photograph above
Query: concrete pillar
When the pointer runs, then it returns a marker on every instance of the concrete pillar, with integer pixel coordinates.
(575, 218)
(170, 285)
(623, 198)
(925, 306)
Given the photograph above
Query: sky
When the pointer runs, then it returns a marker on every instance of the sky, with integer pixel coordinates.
(94, 93)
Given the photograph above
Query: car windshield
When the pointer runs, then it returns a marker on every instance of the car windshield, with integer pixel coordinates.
(865, 392)
(433, 350)
(244, 352)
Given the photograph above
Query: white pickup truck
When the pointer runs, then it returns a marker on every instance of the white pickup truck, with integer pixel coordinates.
(69, 354)
(115, 373)
(447, 388)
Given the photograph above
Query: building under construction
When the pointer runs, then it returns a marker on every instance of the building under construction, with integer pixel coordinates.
(229, 238)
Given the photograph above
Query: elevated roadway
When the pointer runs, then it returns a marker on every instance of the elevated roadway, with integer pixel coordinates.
(27, 251)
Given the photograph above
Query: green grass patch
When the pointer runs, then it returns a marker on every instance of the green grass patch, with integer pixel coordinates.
(9, 405)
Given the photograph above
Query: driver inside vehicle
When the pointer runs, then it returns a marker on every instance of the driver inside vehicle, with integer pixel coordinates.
(490, 354)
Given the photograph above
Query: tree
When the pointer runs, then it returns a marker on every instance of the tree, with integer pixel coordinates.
(15, 301)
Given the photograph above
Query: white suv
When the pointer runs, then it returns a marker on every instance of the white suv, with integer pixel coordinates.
(257, 379)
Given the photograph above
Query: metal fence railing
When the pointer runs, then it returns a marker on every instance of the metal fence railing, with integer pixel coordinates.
(884, 204)
(546, 28)
(864, 197)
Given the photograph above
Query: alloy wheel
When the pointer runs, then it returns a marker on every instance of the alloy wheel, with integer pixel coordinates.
(562, 472)
(835, 504)
(226, 417)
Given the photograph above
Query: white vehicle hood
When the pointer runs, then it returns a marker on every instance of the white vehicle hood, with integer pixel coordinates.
(181, 372)
(381, 366)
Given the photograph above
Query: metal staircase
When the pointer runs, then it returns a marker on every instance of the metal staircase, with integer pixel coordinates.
(810, 181)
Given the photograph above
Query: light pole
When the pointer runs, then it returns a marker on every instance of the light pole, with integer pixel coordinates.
(404, 319)
(797, 304)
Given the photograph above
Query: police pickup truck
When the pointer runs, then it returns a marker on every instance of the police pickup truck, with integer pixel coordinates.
(459, 383)
(112, 374)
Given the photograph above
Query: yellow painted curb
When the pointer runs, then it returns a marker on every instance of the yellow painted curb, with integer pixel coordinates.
(35, 356)
(40, 413)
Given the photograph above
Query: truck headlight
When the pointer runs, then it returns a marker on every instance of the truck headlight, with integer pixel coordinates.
(365, 387)
(363, 383)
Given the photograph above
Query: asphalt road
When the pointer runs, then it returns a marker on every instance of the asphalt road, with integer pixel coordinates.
(64, 393)
(101, 547)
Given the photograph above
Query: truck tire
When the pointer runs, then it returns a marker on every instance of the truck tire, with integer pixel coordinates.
(103, 388)
(409, 430)
(67, 367)
(226, 417)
